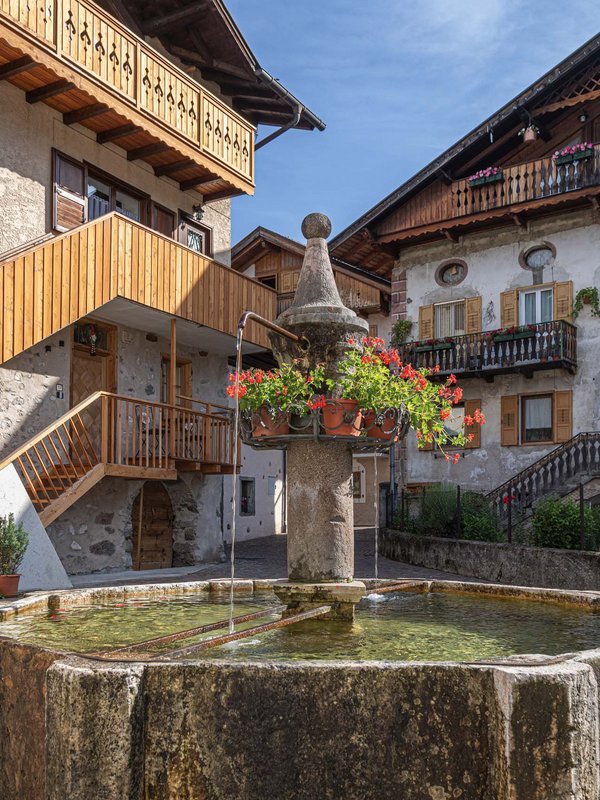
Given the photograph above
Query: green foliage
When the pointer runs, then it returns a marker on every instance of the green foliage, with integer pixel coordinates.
(556, 524)
(437, 516)
(400, 331)
(590, 293)
(13, 544)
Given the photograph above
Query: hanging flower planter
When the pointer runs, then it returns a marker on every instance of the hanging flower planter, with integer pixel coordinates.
(380, 426)
(341, 418)
(266, 425)
(434, 345)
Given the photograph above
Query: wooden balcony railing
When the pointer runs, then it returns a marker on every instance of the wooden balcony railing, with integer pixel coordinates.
(520, 184)
(108, 434)
(83, 34)
(56, 283)
(542, 346)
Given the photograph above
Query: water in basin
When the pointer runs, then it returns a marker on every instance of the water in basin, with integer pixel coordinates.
(394, 627)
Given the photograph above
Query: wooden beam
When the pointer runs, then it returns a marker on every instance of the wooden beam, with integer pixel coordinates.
(23, 64)
(519, 221)
(209, 198)
(117, 133)
(72, 494)
(450, 234)
(172, 384)
(174, 166)
(50, 90)
(594, 201)
(173, 19)
(147, 150)
(197, 183)
(87, 112)
(571, 101)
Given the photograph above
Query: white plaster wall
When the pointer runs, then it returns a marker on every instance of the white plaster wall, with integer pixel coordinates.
(492, 259)
(365, 513)
(27, 135)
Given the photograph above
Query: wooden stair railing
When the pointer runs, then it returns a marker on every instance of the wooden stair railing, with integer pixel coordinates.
(108, 434)
(578, 456)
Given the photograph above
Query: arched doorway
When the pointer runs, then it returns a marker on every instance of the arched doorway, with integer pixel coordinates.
(152, 522)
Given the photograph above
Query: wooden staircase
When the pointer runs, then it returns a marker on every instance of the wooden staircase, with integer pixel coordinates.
(112, 435)
(577, 459)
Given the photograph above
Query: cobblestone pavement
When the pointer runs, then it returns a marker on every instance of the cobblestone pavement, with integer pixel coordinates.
(266, 558)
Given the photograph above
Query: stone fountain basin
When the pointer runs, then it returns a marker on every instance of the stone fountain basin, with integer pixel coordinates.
(78, 728)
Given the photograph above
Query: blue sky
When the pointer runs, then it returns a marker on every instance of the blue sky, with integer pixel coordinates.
(396, 83)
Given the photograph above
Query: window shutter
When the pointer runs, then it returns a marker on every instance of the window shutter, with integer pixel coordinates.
(426, 322)
(509, 308)
(289, 281)
(472, 314)
(563, 300)
(509, 420)
(563, 416)
(68, 206)
(163, 221)
(470, 407)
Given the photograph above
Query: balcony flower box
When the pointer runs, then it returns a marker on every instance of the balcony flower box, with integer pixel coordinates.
(576, 152)
(425, 348)
(488, 175)
(510, 337)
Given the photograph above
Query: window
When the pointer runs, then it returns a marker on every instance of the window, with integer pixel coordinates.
(358, 482)
(104, 196)
(536, 305)
(269, 280)
(183, 381)
(247, 497)
(536, 416)
(449, 319)
(193, 235)
(271, 485)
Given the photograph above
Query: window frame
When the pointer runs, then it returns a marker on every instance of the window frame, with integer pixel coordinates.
(185, 219)
(117, 185)
(186, 379)
(248, 512)
(535, 289)
(361, 497)
(522, 429)
(460, 301)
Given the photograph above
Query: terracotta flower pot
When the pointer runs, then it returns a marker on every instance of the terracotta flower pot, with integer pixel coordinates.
(530, 135)
(342, 418)
(9, 585)
(265, 425)
(586, 301)
(384, 430)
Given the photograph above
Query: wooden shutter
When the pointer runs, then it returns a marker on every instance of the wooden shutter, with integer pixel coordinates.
(509, 420)
(509, 308)
(289, 281)
(563, 416)
(163, 220)
(426, 322)
(470, 407)
(68, 206)
(563, 300)
(472, 314)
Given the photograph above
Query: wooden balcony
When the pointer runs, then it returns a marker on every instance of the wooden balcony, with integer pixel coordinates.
(51, 286)
(522, 187)
(108, 435)
(82, 62)
(548, 345)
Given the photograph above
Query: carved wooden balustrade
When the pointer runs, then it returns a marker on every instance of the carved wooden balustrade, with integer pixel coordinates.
(83, 34)
(579, 456)
(546, 345)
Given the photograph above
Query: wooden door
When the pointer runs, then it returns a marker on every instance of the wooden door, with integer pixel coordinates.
(152, 528)
(89, 374)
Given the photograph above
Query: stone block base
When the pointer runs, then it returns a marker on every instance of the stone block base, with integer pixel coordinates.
(300, 597)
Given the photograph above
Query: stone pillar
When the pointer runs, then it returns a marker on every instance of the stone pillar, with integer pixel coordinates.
(320, 512)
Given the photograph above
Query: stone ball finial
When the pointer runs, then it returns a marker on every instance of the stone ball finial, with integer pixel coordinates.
(316, 226)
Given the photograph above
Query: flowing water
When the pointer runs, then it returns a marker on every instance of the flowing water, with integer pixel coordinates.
(393, 627)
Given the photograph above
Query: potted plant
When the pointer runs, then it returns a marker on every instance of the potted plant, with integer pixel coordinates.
(487, 175)
(514, 332)
(13, 544)
(587, 297)
(573, 152)
(400, 331)
(530, 132)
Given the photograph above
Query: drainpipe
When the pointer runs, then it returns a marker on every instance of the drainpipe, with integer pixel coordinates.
(264, 77)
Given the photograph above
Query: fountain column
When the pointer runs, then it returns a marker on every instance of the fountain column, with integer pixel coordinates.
(320, 504)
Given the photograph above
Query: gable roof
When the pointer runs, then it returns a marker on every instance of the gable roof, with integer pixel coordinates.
(252, 246)
(203, 34)
(561, 87)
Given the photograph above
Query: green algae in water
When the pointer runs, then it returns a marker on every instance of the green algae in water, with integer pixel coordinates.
(394, 627)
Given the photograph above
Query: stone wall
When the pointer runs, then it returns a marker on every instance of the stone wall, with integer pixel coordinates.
(507, 563)
(493, 267)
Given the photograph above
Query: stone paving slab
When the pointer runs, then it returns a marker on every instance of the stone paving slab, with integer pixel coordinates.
(266, 558)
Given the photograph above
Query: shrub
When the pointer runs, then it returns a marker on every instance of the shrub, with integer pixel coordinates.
(13, 544)
(556, 524)
(438, 510)
(479, 523)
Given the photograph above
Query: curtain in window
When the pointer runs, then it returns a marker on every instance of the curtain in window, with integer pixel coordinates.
(547, 305)
(538, 418)
(450, 319)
